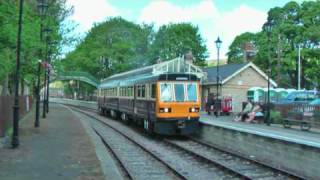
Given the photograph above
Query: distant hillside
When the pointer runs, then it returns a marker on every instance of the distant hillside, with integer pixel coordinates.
(213, 62)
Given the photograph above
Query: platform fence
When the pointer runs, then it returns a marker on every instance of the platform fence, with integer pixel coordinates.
(299, 112)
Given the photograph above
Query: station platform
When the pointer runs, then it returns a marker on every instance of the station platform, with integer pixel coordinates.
(59, 149)
(292, 150)
(276, 131)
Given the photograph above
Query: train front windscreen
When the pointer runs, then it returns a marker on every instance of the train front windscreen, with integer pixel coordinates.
(178, 92)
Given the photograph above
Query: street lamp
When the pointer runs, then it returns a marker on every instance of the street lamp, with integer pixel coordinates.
(15, 137)
(48, 43)
(218, 45)
(268, 28)
(42, 11)
(46, 76)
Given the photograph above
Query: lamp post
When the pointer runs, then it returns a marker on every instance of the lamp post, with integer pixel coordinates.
(15, 137)
(218, 45)
(42, 9)
(268, 28)
(46, 78)
(48, 54)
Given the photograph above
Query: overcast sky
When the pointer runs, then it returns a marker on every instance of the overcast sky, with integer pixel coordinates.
(224, 18)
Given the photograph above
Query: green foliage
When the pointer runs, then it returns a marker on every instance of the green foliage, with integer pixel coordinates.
(121, 44)
(235, 54)
(292, 24)
(117, 45)
(275, 117)
(174, 40)
(31, 43)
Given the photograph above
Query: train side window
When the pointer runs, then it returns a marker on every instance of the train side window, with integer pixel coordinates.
(153, 91)
(131, 91)
(127, 91)
(138, 91)
(143, 91)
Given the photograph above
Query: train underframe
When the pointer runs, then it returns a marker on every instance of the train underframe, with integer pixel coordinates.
(161, 126)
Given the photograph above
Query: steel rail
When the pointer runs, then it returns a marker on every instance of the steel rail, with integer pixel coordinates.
(177, 173)
(114, 155)
(202, 158)
(253, 161)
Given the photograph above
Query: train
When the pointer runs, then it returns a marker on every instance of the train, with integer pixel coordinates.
(163, 103)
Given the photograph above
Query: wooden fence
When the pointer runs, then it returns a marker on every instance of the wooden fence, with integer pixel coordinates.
(6, 110)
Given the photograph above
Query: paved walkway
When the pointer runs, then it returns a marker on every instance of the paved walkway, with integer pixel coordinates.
(311, 138)
(59, 149)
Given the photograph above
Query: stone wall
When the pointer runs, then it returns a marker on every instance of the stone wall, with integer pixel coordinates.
(301, 159)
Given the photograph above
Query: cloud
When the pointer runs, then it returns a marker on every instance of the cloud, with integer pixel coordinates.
(204, 14)
(86, 13)
(164, 12)
(211, 22)
(238, 21)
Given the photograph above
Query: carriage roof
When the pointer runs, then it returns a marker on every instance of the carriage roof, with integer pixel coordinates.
(172, 68)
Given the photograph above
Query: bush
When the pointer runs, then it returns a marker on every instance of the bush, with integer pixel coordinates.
(275, 117)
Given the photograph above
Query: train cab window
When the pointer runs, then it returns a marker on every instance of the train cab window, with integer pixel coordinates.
(179, 92)
(166, 92)
(153, 91)
(192, 93)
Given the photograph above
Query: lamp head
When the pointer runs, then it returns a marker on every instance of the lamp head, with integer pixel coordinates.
(42, 8)
(218, 43)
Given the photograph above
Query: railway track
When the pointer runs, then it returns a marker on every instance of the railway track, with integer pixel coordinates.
(244, 168)
(189, 159)
(135, 161)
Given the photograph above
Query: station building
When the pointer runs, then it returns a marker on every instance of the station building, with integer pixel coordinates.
(235, 80)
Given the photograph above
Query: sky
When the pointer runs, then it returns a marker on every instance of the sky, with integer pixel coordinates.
(215, 18)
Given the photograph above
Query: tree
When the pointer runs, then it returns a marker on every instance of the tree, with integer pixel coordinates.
(236, 51)
(174, 40)
(113, 46)
(31, 44)
(293, 25)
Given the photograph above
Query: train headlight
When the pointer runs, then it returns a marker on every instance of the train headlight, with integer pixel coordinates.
(194, 109)
(165, 110)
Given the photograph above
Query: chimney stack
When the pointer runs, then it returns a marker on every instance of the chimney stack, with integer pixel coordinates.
(188, 57)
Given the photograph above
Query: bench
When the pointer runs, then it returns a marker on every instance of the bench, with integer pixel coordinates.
(304, 124)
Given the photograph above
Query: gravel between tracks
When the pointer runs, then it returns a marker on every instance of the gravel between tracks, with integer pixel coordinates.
(186, 164)
(243, 166)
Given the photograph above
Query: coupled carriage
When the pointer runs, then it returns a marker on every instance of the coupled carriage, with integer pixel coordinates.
(164, 102)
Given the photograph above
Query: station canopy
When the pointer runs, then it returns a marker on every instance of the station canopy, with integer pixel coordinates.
(177, 65)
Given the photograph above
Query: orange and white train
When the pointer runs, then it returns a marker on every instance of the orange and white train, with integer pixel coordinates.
(166, 104)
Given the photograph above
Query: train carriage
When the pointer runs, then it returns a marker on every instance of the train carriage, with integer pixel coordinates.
(165, 102)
